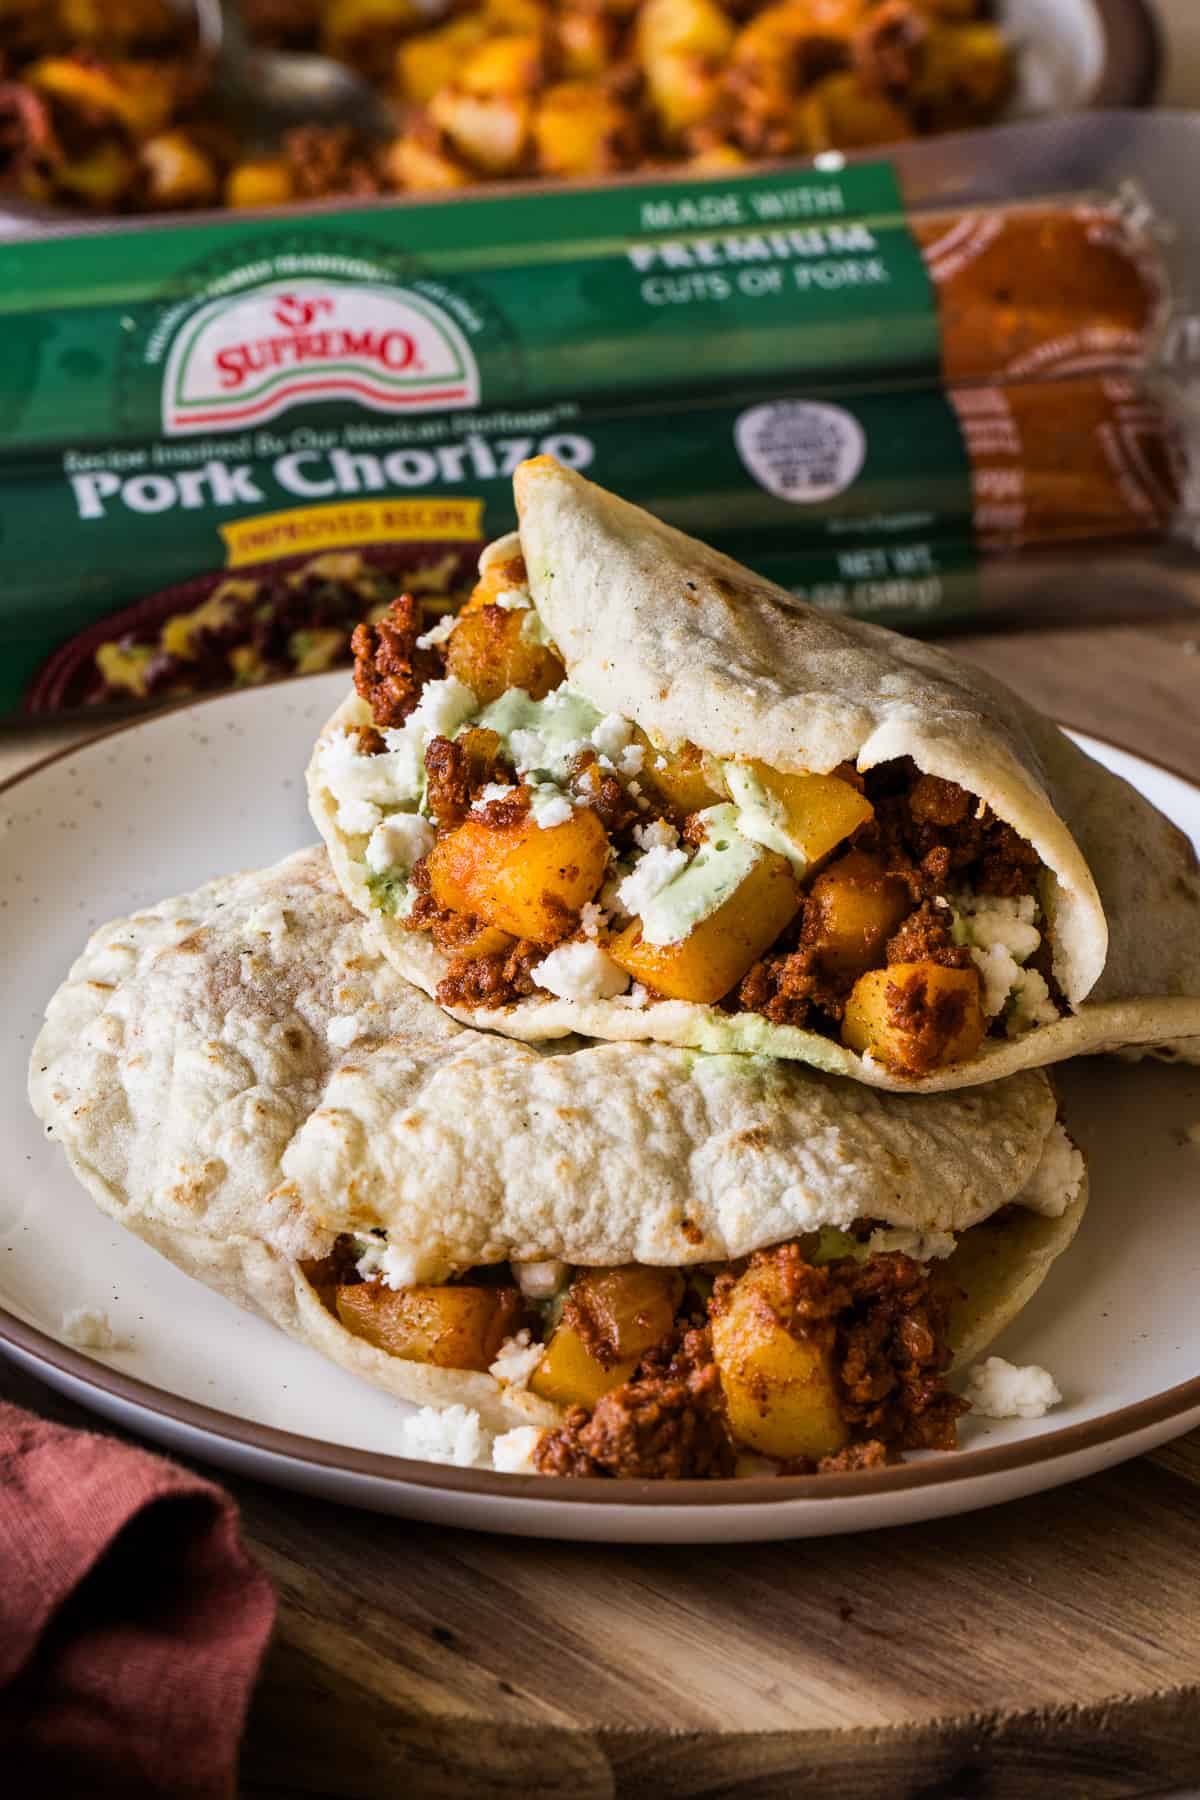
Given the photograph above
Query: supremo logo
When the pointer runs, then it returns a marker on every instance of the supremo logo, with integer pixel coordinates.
(241, 361)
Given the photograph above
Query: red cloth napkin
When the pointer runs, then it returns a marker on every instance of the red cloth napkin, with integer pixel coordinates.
(132, 1622)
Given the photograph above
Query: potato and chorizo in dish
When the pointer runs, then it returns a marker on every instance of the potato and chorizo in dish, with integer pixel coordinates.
(108, 104)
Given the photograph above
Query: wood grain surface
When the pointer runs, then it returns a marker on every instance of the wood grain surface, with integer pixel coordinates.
(1049, 1648)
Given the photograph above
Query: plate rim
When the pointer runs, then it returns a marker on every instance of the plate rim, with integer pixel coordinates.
(34, 1345)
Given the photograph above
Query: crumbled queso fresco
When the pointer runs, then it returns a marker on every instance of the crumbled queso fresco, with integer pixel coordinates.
(1001, 1390)
(395, 1268)
(654, 871)
(580, 971)
(398, 842)
(1002, 937)
(516, 1360)
(1055, 1183)
(457, 1435)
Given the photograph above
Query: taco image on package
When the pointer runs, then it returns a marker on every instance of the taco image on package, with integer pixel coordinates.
(638, 792)
(641, 1262)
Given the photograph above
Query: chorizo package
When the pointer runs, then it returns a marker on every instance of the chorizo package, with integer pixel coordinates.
(225, 440)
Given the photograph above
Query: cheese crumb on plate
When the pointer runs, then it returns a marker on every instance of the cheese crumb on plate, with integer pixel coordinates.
(1001, 1390)
(90, 1328)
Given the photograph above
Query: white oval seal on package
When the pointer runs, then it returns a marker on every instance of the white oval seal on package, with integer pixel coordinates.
(801, 450)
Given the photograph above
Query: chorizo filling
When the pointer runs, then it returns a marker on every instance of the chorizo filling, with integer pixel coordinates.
(820, 1355)
(548, 850)
(114, 106)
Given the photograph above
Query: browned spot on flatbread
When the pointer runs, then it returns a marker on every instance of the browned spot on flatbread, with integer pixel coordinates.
(195, 940)
(755, 1137)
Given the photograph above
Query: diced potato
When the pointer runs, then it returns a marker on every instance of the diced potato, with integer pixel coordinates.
(223, 608)
(456, 1327)
(632, 1307)
(178, 172)
(109, 21)
(717, 952)
(916, 1017)
(248, 664)
(778, 51)
(527, 879)
(780, 1386)
(138, 95)
(839, 113)
(490, 650)
(967, 72)
(683, 784)
(716, 158)
(569, 1375)
(100, 176)
(518, 15)
(682, 47)
(419, 162)
(698, 26)
(853, 909)
(428, 61)
(819, 811)
(585, 40)
(498, 578)
(490, 130)
(629, 1310)
(366, 32)
(509, 64)
(124, 667)
(684, 90)
(580, 128)
(261, 181)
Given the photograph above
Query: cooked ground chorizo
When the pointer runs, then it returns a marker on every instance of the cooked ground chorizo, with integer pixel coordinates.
(874, 1454)
(792, 988)
(601, 790)
(933, 801)
(495, 91)
(497, 979)
(881, 1323)
(932, 834)
(667, 1424)
(324, 160)
(457, 769)
(894, 1352)
(926, 936)
(370, 741)
(389, 669)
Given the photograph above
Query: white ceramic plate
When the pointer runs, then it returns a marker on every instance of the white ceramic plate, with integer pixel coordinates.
(159, 807)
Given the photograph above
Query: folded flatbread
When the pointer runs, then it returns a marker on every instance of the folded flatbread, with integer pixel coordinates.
(238, 1077)
(1010, 902)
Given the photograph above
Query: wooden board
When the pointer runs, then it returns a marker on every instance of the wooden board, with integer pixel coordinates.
(1050, 1648)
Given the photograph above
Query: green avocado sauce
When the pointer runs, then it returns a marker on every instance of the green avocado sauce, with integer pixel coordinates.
(761, 817)
(717, 870)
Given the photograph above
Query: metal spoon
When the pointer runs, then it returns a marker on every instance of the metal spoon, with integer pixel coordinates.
(275, 89)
